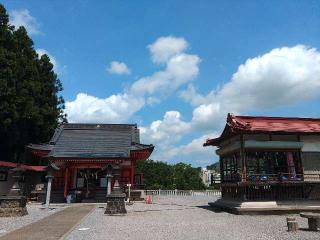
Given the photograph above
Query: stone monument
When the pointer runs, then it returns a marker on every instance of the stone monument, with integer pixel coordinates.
(116, 199)
(14, 204)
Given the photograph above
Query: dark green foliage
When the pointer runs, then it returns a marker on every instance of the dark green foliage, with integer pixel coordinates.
(30, 108)
(215, 166)
(160, 175)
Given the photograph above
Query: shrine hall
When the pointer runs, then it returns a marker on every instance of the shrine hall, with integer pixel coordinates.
(269, 164)
(83, 153)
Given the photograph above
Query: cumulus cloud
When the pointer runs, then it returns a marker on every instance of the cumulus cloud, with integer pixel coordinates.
(284, 76)
(113, 109)
(192, 152)
(168, 130)
(192, 96)
(193, 149)
(180, 68)
(281, 77)
(165, 48)
(23, 18)
(119, 68)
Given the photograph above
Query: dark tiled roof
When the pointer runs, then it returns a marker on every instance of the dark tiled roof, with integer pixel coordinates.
(95, 140)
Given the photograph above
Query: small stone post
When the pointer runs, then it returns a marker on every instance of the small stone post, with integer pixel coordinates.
(292, 224)
(49, 177)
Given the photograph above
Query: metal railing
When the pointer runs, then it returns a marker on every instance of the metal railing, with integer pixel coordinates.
(280, 177)
(183, 193)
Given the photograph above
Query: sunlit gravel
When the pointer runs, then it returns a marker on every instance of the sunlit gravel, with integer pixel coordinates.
(185, 218)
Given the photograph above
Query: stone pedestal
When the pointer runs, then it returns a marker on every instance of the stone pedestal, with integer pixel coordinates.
(116, 201)
(13, 206)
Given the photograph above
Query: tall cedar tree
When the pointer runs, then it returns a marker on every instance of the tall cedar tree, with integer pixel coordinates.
(30, 107)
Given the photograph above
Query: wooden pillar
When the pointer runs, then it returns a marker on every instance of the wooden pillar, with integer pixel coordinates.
(132, 172)
(66, 177)
(243, 159)
(221, 169)
(74, 177)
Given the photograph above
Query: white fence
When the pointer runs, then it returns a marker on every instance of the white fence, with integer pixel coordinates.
(176, 192)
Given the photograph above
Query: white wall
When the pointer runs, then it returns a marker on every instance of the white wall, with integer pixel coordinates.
(311, 143)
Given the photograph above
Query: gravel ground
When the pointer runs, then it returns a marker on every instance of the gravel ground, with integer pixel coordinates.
(9, 224)
(185, 218)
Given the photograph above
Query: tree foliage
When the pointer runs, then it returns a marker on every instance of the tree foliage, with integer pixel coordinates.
(30, 107)
(215, 166)
(160, 175)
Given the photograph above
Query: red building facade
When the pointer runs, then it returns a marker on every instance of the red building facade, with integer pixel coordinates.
(84, 152)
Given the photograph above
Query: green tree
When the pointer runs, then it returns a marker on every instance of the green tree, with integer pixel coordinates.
(30, 107)
(161, 175)
(215, 166)
(8, 111)
(156, 174)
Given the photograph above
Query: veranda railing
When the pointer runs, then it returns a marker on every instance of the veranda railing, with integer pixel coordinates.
(176, 192)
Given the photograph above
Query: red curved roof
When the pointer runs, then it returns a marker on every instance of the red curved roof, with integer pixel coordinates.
(252, 124)
(22, 166)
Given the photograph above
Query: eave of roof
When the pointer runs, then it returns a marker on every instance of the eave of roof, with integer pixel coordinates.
(254, 124)
(40, 147)
(23, 166)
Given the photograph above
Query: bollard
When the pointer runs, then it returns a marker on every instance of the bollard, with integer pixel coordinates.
(149, 200)
(292, 224)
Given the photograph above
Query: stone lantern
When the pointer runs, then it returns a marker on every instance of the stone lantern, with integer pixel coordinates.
(14, 204)
(50, 169)
(116, 199)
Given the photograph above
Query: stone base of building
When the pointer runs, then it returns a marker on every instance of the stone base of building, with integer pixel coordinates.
(13, 206)
(266, 207)
(116, 204)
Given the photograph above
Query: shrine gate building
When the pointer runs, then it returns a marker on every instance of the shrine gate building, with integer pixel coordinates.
(84, 152)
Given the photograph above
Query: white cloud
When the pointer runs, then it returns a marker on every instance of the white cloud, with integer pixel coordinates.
(192, 152)
(168, 130)
(192, 96)
(23, 18)
(114, 109)
(119, 68)
(281, 77)
(55, 63)
(193, 149)
(179, 70)
(284, 76)
(166, 47)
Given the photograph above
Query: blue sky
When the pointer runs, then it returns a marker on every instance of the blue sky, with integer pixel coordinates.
(173, 66)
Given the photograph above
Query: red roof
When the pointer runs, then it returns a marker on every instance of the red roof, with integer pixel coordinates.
(25, 167)
(250, 124)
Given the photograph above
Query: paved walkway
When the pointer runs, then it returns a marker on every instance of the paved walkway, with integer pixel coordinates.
(53, 227)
